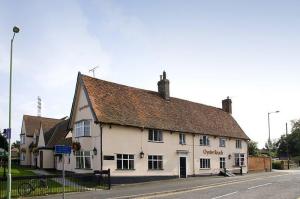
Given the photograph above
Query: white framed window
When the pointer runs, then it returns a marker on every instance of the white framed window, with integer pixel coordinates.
(181, 138)
(204, 140)
(222, 163)
(155, 135)
(238, 144)
(22, 157)
(204, 163)
(83, 159)
(125, 161)
(83, 128)
(155, 162)
(22, 139)
(239, 159)
(222, 142)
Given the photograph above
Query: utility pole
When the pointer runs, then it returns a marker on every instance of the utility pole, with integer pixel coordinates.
(287, 144)
(269, 139)
(93, 70)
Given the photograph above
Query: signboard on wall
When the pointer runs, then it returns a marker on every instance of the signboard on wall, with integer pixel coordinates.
(212, 152)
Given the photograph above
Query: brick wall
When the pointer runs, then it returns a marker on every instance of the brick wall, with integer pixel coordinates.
(258, 164)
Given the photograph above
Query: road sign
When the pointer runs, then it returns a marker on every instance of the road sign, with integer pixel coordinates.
(62, 149)
(7, 133)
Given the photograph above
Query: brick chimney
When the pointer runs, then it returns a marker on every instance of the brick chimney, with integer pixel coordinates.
(226, 105)
(163, 86)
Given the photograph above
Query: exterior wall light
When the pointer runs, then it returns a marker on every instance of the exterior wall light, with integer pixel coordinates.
(229, 156)
(95, 151)
(142, 154)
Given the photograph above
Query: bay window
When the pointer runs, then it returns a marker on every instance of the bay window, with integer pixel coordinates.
(83, 159)
(83, 128)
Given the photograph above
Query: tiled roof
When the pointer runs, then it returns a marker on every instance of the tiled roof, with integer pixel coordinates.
(118, 104)
(32, 124)
(57, 134)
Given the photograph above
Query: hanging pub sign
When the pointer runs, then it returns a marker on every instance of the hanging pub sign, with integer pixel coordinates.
(212, 152)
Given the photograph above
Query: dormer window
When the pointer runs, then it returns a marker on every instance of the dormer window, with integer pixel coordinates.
(204, 140)
(83, 128)
(155, 135)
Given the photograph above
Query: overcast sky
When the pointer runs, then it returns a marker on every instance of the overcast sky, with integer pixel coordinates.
(248, 50)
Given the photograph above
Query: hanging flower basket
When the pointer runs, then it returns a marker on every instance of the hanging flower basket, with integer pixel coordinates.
(31, 146)
(76, 146)
(35, 151)
(23, 150)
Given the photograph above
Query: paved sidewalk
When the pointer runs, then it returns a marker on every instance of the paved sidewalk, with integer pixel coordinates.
(40, 172)
(134, 190)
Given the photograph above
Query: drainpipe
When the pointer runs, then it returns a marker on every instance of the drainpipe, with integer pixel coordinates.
(193, 154)
(101, 148)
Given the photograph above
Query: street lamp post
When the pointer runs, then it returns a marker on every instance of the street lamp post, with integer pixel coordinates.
(269, 139)
(15, 30)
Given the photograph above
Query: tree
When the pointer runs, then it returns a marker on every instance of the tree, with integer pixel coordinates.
(16, 144)
(3, 142)
(295, 125)
(253, 149)
(290, 142)
(271, 146)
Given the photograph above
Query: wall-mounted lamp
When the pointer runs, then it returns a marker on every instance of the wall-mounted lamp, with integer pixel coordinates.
(95, 151)
(142, 154)
(229, 156)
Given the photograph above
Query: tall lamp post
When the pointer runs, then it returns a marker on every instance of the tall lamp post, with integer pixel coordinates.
(269, 139)
(15, 30)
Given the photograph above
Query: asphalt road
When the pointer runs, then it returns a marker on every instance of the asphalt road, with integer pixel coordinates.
(285, 186)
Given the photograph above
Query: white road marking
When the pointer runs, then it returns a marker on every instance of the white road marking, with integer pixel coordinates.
(262, 185)
(191, 189)
(225, 195)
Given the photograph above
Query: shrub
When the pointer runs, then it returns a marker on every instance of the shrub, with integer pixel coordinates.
(276, 165)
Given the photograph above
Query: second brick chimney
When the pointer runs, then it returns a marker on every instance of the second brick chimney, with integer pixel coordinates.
(163, 86)
(226, 105)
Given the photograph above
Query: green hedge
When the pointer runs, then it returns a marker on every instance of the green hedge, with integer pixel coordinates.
(276, 165)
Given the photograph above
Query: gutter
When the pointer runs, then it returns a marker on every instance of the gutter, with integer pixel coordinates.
(193, 154)
(101, 147)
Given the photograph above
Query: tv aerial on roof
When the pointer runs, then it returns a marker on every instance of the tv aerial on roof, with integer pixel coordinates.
(93, 70)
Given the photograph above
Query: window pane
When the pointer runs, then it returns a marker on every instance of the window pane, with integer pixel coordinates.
(155, 136)
(150, 137)
(125, 164)
(131, 156)
(131, 164)
(160, 136)
(87, 162)
(119, 156)
(149, 164)
(119, 164)
(125, 156)
(160, 165)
